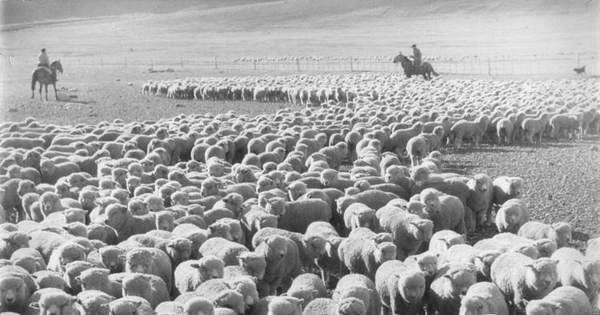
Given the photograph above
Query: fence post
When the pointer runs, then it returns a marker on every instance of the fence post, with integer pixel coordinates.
(152, 64)
(216, 64)
(182, 63)
(489, 66)
(298, 64)
(254, 64)
(351, 65)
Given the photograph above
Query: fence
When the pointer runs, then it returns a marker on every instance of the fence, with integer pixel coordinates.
(557, 65)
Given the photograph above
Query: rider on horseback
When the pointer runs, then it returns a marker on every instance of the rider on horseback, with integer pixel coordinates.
(416, 56)
(43, 60)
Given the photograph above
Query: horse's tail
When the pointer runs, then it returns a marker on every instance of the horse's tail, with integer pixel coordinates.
(33, 80)
(434, 73)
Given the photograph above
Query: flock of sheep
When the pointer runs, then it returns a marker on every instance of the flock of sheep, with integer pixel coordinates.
(232, 214)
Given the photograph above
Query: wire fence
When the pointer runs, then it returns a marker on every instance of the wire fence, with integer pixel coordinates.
(557, 65)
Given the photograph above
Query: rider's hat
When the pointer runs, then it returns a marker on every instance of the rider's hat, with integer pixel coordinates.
(43, 49)
(414, 45)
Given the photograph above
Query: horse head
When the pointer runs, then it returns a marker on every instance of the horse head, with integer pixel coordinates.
(399, 58)
(57, 65)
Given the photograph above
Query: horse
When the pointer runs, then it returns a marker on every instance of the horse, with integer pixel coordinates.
(42, 75)
(409, 69)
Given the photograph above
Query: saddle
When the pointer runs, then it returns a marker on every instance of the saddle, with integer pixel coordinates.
(43, 66)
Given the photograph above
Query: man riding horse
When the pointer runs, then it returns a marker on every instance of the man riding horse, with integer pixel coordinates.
(44, 61)
(416, 56)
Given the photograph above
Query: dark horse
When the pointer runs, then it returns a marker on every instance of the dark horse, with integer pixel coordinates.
(409, 69)
(44, 76)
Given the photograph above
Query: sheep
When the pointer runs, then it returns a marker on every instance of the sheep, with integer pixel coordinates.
(482, 203)
(442, 240)
(223, 249)
(45, 242)
(506, 188)
(10, 200)
(360, 287)
(374, 199)
(64, 254)
(449, 285)
(11, 242)
(399, 139)
(55, 302)
(217, 291)
(198, 305)
(409, 230)
(307, 287)
(467, 254)
(483, 298)
(295, 216)
(51, 171)
(559, 232)
(98, 279)
(335, 154)
(365, 256)
(563, 300)
(534, 126)
(190, 274)
(14, 294)
(511, 242)
(400, 288)
(417, 149)
(283, 262)
(126, 224)
(348, 306)
(447, 212)
(149, 287)
(94, 302)
(468, 129)
(578, 271)
(360, 215)
(49, 279)
(151, 261)
(511, 216)
(521, 279)
(72, 271)
(130, 305)
(310, 247)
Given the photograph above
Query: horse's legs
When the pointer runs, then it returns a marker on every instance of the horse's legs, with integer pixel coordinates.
(55, 94)
(41, 86)
(33, 90)
(46, 85)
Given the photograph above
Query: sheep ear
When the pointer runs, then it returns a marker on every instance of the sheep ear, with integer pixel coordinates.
(195, 265)
(35, 306)
(122, 256)
(6, 238)
(283, 294)
(78, 280)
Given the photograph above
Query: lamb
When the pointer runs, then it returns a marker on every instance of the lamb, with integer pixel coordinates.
(330, 179)
(511, 216)
(365, 256)
(10, 200)
(483, 298)
(11, 242)
(198, 305)
(400, 288)
(558, 232)
(223, 249)
(98, 279)
(534, 126)
(149, 287)
(49, 279)
(295, 216)
(521, 279)
(578, 271)
(126, 224)
(482, 203)
(506, 188)
(102, 232)
(130, 305)
(409, 230)
(190, 274)
(466, 254)
(450, 284)
(283, 262)
(468, 129)
(72, 271)
(307, 287)
(310, 247)
(563, 300)
(150, 261)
